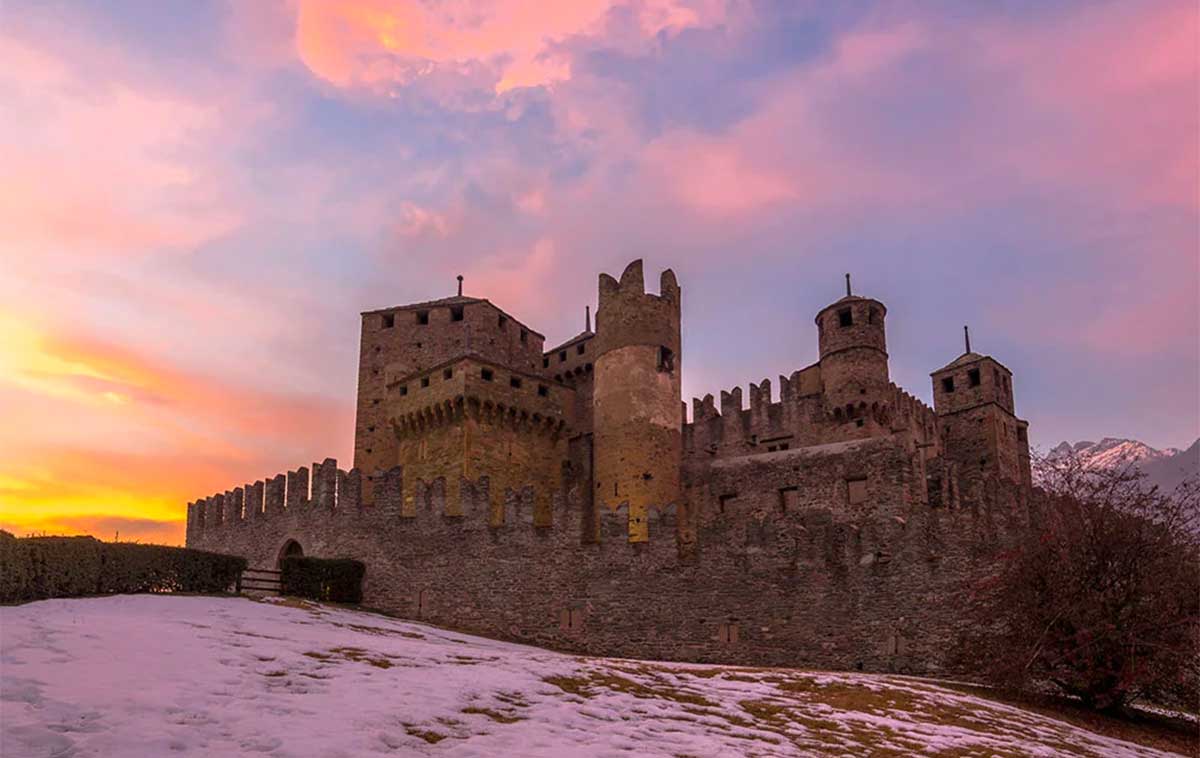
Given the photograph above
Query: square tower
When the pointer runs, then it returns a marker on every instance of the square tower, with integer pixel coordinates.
(973, 397)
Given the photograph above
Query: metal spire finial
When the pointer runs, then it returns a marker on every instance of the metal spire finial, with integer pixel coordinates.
(460, 278)
(847, 285)
(967, 337)
(587, 318)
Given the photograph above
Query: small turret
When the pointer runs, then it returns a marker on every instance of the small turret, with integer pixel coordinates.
(637, 396)
(853, 348)
(973, 396)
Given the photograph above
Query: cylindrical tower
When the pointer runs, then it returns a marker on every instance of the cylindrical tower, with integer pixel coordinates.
(637, 401)
(853, 345)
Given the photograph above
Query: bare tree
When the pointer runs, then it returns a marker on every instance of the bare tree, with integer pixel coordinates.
(1101, 596)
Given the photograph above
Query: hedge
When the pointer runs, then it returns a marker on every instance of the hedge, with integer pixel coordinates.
(36, 568)
(335, 580)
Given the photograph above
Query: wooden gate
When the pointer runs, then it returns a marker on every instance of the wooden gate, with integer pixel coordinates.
(268, 581)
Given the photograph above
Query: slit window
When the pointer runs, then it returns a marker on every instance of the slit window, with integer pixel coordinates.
(845, 317)
(948, 384)
(973, 377)
(524, 336)
(666, 360)
(515, 382)
(725, 500)
(422, 317)
(486, 374)
(389, 320)
(456, 313)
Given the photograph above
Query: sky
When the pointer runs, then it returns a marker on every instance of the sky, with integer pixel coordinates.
(199, 198)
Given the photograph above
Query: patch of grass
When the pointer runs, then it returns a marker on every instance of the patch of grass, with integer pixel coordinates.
(274, 673)
(497, 716)
(355, 654)
(428, 735)
(586, 686)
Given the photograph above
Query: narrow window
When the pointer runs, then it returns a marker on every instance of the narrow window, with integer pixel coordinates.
(389, 320)
(502, 321)
(1020, 434)
(545, 363)
(515, 382)
(666, 360)
(422, 317)
(448, 373)
(873, 316)
(856, 491)
(543, 391)
(524, 336)
(579, 349)
(562, 356)
(456, 313)
(486, 374)
(845, 317)
(724, 500)
(789, 498)
(424, 381)
(948, 384)
(973, 377)
(403, 390)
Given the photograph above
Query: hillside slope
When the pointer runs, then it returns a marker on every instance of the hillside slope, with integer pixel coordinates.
(162, 675)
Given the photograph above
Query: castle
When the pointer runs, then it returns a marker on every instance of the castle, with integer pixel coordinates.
(562, 497)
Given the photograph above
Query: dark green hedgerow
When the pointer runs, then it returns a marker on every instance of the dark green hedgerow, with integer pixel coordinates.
(36, 568)
(334, 580)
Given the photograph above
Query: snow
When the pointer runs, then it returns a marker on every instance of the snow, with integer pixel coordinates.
(144, 675)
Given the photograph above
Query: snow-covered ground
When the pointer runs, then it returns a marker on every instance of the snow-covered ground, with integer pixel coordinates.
(160, 675)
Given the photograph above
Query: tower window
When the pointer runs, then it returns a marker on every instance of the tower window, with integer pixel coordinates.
(873, 316)
(856, 491)
(666, 360)
(543, 391)
(545, 363)
(389, 320)
(424, 381)
(1020, 434)
(422, 317)
(562, 356)
(486, 374)
(579, 349)
(448, 373)
(973, 377)
(515, 382)
(456, 313)
(403, 390)
(524, 336)
(502, 321)
(948, 384)
(845, 317)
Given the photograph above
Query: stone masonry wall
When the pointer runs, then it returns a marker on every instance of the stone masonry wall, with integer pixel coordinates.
(768, 562)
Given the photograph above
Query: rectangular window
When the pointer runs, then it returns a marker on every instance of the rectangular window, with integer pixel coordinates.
(789, 499)
(725, 500)
(524, 336)
(448, 373)
(727, 633)
(948, 384)
(515, 382)
(562, 356)
(422, 317)
(389, 320)
(403, 390)
(666, 360)
(579, 349)
(486, 374)
(845, 317)
(456, 313)
(424, 381)
(545, 363)
(1021, 434)
(973, 377)
(502, 321)
(873, 316)
(856, 491)
(543, 391)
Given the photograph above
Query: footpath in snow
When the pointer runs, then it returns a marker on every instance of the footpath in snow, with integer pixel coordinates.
(142, 675)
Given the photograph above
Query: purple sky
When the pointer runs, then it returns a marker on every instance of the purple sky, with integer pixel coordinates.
(199, 198)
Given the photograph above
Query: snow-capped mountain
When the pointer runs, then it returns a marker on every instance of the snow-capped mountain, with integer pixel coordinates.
(1166, 468)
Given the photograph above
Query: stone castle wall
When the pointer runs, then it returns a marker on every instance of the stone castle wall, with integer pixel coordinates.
(768, 562)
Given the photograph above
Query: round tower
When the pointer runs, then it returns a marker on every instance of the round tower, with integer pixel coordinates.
(637, 400)
(853, 346)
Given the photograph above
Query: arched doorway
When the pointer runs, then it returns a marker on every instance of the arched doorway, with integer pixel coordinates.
(289, 549)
